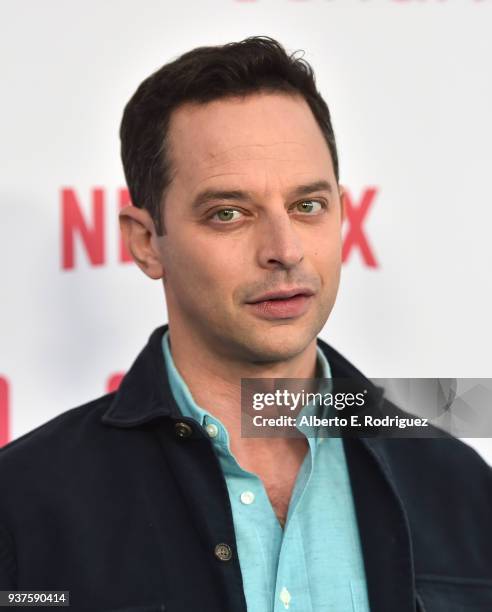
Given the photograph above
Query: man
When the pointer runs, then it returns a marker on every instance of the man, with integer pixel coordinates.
(150, 498)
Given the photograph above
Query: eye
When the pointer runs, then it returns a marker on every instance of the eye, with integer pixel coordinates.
(226, 214)
(309, 206)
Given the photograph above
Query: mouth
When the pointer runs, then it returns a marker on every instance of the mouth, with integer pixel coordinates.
(286, 304)
(282, 295)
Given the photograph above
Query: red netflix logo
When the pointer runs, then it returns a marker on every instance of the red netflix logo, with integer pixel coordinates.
(90, 228)
(4, 411)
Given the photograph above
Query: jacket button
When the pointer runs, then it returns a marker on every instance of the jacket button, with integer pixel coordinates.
(223, 552)
(183, 430)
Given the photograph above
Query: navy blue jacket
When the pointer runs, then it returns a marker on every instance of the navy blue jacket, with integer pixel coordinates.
(112, 502)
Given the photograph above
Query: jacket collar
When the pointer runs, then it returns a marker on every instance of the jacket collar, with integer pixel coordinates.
(145, 394)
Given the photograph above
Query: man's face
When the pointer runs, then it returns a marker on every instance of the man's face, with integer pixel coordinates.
(253, 209)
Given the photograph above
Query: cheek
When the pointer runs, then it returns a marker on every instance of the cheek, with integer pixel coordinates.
(327, 265)
(197, 268)
(327, 258)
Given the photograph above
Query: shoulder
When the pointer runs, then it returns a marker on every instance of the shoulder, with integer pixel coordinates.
(436, 458)
(55, 439)
(439, 476)
(443, 456)
(435, 453)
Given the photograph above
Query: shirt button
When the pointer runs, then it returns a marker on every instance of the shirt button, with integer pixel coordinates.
(285, 598)
(223, 552)
(247, 497)
(212, 430)
(183, 430)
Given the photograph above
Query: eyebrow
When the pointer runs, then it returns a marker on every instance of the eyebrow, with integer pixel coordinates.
(238, 195)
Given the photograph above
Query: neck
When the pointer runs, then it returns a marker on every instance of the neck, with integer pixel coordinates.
(214, 380)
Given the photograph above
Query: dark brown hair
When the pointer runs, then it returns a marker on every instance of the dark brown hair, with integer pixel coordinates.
(256, 64)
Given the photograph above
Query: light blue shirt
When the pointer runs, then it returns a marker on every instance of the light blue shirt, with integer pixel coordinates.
(315, 563)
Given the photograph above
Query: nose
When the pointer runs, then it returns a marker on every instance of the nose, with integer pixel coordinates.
(280, 245)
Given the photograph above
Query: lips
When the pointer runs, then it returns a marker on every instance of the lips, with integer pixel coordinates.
(282, 295)
(286, 304)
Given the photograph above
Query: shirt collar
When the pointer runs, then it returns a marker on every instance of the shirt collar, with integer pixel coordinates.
(189, 408)
(144, 394)
(179, 388)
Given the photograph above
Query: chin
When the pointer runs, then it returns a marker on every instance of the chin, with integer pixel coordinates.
(278, 346)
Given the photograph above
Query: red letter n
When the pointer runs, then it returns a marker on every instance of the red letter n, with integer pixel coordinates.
(74, 223)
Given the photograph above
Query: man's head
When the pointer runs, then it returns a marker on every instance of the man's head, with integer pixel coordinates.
(231, 150)
(202, 75)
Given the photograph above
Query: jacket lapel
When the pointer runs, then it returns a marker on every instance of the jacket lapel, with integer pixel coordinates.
(383, 524)
(383, 529)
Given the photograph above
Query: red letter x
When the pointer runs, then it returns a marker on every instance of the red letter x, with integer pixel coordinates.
(355, 236)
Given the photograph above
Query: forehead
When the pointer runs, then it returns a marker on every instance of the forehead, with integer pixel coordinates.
(266, 132)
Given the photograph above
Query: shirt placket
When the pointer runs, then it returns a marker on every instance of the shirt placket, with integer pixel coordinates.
(258, 533)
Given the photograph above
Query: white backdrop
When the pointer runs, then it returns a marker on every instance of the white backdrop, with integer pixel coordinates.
(409, 86)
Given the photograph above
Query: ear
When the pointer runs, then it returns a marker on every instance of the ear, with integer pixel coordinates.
(342, 192)
(140, 239)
